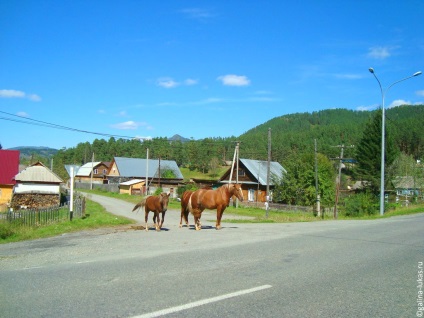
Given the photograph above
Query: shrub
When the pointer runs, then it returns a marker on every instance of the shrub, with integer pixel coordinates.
(360, 204)
(185, 188)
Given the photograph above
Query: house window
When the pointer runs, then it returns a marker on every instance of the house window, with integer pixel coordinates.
(95, 171)
(241, 173)
(104, 171)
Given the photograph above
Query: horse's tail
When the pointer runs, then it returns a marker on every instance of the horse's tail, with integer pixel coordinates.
(140, 204)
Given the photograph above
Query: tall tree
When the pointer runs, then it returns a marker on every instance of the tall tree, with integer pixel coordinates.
(368, 153)
(298, 185)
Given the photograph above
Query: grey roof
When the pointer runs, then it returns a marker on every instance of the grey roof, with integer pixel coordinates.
(38, 173)
(134, 167)
(85, 170)
(258, 169)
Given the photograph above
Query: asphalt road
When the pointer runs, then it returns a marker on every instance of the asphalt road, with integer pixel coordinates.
(320, 269)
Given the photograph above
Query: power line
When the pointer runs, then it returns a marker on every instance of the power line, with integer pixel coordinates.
(35, 122)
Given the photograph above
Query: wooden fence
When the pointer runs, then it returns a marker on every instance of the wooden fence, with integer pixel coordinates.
(45, 216)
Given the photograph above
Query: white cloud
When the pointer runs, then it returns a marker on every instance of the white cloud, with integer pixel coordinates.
(167, 82)
(128, 125)
(143, 138)
(366, 108)
(234, 80)
(348, 76)
(420, 93)
(379, 52)
(33, 97)
(11, 93)
(122, 114)
(190, 81)
(22, 114)
(399, 102)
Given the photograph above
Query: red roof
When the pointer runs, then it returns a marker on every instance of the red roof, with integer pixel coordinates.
(9, 166)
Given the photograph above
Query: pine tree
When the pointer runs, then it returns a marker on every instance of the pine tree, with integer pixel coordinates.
(368, 153)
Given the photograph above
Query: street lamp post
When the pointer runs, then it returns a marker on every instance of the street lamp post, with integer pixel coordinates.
(383, 92)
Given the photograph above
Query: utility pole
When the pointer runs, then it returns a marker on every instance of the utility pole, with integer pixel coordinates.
(234, 160)
(159, 173)
(339, 177)
(92, 171)
(318, 207)
(268, 172)
(147, 169)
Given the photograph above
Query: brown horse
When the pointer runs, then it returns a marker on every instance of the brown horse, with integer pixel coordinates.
(184, 207)
(156, 204)
(199, 200)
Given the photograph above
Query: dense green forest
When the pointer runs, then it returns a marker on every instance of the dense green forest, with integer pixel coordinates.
(290, 135)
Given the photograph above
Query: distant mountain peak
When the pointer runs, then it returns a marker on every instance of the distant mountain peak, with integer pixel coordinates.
(177, 137)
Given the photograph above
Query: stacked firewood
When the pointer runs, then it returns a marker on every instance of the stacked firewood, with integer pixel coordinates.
(34, 201)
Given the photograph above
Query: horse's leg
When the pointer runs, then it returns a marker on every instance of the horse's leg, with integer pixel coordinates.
(146, 214)
(219, 213)
(156, 219)
(186, 217)
(181, 217)
(196, 215)
(163, 219)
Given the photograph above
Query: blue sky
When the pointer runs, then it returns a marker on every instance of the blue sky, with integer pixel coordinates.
(196, 68)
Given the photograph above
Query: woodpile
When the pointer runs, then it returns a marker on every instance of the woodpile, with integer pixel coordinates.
(34, 201)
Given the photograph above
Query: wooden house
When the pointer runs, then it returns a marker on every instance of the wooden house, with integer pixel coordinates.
(252, 174)
(36, 187)
(159, 173)
(9, 168)
(408, 186)
(94, 172)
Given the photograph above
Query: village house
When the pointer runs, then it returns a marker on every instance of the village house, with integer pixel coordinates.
(163, 174)
(252, 175)
(9, 168)
(408, 186)
(93, 172)
(36, 187)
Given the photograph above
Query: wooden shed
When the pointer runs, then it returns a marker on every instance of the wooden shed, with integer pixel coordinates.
(132, 187)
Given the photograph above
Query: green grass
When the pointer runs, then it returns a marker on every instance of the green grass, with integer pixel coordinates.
(96, 217)
(190, 174)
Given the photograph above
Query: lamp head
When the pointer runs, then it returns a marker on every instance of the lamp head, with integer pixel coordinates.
(371, 70)
(417, 73)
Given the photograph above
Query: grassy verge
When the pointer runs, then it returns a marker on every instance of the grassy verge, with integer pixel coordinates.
(257, 215)
(96, 217)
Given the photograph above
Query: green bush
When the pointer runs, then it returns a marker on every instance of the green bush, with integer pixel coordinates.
(6, 230)
(158, 191)
(185, 188)
(360, 204)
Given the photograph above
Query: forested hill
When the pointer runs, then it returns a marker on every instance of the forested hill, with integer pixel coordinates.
(296, 132)
(290, 134)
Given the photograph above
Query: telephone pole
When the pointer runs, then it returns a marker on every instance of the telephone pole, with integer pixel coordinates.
(339, 177)
(318, 207)
(268, 172)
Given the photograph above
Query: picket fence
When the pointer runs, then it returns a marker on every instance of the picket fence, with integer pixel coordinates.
(45, 216)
